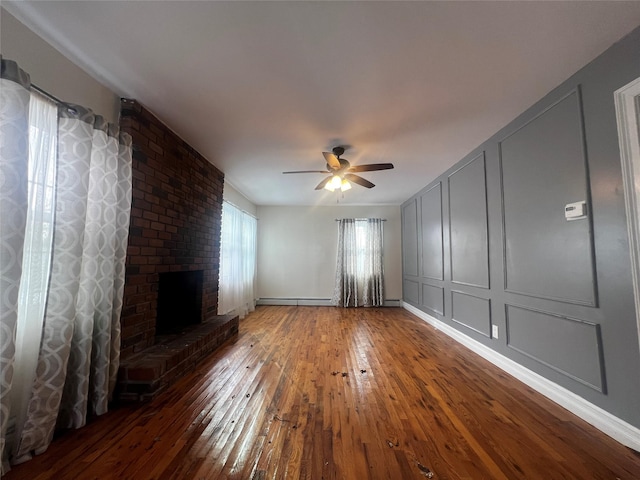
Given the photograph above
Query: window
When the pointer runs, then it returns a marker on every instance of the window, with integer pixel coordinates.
(359, 270)
(237, 261)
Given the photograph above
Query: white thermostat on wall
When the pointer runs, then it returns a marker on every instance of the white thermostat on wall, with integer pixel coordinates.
(575, 211)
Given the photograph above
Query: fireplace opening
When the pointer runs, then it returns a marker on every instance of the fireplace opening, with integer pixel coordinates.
(179, 301)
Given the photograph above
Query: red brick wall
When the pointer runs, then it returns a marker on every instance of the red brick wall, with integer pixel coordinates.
(175, 222)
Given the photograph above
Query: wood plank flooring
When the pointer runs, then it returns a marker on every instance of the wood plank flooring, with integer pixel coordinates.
(328, 393)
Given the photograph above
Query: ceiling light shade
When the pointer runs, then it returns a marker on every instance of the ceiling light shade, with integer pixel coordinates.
(337, 183)
(329, 185)
(334, 183)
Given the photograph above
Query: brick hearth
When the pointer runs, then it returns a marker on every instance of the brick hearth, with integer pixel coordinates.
(146, 374)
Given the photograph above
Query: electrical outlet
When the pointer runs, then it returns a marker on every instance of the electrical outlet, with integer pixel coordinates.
(494, 331)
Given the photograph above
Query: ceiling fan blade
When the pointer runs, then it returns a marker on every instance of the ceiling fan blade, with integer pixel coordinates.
(359, 180)
(323, 183)
(309, 171)
(332, 160)
(372, 167)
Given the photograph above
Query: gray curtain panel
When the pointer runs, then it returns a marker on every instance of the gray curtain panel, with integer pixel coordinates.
(359, 270)
(79, 356)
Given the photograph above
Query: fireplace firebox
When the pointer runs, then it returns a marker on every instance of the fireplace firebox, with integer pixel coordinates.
(179, 301)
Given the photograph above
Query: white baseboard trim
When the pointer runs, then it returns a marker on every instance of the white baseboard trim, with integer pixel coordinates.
(301, 302)
(607, 423)
(313, 302)
(393, 303)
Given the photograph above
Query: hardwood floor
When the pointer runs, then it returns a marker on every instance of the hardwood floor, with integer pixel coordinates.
(328, 393)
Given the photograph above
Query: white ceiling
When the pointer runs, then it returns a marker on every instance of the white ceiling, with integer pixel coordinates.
(263, 87)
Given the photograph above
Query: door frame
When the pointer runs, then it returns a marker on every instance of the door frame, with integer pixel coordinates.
(627, 102)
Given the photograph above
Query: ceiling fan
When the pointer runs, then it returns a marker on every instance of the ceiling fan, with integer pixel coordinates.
(341, 172)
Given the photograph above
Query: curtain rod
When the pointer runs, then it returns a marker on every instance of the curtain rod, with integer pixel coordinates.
(239, 208)
(338, 219)
(53, 98)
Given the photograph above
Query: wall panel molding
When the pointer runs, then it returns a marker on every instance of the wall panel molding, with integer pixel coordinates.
(471, 311)
(411, 291)
(545, 337)
(468, 224)
(410, 239)
(433, 298)
(543, 167)
(432, 238)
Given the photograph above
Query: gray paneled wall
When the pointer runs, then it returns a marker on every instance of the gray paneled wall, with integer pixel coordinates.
(432, 241)
(468, 230)
(486, 245)
(471, 311)
(544, 168)
(545, 337)
(410, 238)
(433, 298)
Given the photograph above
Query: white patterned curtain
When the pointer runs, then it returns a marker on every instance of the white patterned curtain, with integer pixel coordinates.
(75, 367)
(237, 261)
(359, 269)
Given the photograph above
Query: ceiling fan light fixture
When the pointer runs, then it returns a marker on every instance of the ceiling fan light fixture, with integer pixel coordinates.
(341, 174)
(334, 183)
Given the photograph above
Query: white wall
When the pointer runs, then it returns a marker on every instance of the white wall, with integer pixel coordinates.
(297, 249)
(52, 71)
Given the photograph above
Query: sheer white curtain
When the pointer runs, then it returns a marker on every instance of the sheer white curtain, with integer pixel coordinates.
(36, 264)
(238, 250)
(359, 269)
(65, 198)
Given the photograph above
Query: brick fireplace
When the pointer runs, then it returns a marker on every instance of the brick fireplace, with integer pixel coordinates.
(175, 227)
